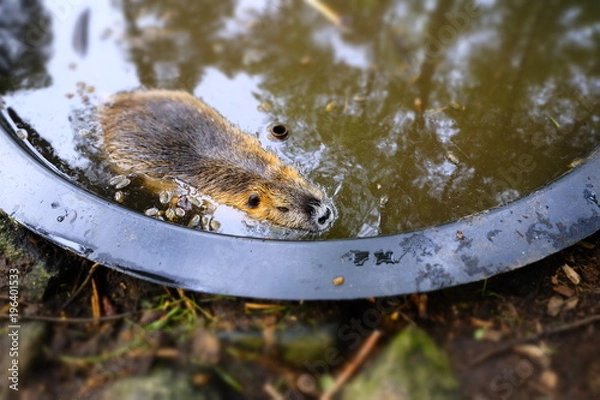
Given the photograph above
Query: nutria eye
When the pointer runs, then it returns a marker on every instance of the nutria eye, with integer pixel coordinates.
(253, 200)
(283, 209)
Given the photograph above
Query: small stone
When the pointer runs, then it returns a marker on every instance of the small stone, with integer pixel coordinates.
(157, 384)
(338, 280)
(549, 379)
(206, 346)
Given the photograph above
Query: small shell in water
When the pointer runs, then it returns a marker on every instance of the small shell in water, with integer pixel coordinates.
(165, 196)
(119, 197)
(194, 221)
(151, 212)
(170, 214)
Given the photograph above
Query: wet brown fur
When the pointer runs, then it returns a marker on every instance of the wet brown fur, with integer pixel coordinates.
(167, 135)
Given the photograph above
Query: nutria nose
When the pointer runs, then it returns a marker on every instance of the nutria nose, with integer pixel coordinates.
(323, 216)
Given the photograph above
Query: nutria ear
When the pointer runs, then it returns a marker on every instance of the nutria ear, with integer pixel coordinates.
(253, 200)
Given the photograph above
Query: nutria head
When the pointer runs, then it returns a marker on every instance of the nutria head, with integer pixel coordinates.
(293, 207)
(173, 136)
(285, 199)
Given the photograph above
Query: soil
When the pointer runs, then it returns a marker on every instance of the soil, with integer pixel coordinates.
(530, 333)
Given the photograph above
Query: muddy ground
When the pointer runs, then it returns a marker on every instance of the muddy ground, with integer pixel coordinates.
(88, 332)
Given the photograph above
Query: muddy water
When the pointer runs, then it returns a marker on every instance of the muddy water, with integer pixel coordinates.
(408, 113)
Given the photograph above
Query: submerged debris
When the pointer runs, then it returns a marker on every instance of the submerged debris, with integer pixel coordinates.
(331, 106)
(452, 158)
(119, 197)
(22, 134)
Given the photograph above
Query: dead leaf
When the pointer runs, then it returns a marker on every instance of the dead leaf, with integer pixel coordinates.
(587, 245)
(571, 274)
(571, 303)
(480, 323)
(564, 290)
(554, 305)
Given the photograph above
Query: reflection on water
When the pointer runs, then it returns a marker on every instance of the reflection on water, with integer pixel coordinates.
(24, 39)
(412, 113)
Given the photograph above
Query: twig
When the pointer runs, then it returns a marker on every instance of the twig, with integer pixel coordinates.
(188, 302)
(352, 366)
(509, 345)
(80, 288)
(327, 12)
(95, 302)
(70, 320)
(272, 392)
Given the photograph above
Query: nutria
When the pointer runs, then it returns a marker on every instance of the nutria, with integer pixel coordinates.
(169, 136)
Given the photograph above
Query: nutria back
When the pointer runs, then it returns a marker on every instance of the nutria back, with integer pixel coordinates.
(171, 135)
